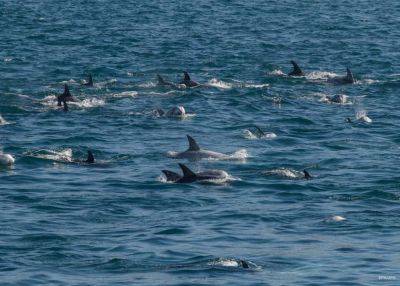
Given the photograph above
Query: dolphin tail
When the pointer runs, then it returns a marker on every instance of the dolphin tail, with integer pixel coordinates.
(187, 173)
(90, 157)
(349, 75)
(193, 146)
(171, 176)
(296, 69)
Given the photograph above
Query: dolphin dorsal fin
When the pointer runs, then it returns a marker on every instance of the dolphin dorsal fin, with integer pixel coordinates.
(90, 81)
(90, 157)
(349, 75)
(307, 175)
(171, 176)
(160, 79)
(187, 173)
(296, 68)
(66, 93)
(193, 146)
(186, 76)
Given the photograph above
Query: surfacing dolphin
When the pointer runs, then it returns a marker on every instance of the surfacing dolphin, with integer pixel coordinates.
(187, 81)
(175, 112)
(347, 79)
(338, 98)
(189, 176)
(89, 82)
(194, 152)
(65, 96)
(296, 70)
(162, 82)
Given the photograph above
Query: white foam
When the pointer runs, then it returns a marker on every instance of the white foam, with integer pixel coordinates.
(320, 75)
(362, 116)
(285, 173)
(125, 94)
(148, 85)
(277, 72)
(240, 154)
(89, 102)
(71, 81)
(335, 218)
(59, 156)
(219, 84)
(253, 136)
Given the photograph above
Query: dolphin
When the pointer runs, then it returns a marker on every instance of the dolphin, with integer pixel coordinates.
(347, 79)
(338, 98)
(162, 82)
(89, 82)
(189, 176)
(175, 112)
(6, 159)
(66, 96)
(194, 152)
(187, 81)
(296, 70)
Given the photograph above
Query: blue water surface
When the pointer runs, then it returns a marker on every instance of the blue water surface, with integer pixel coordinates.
(117, 222)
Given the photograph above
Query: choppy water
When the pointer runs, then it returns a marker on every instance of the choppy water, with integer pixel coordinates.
(118, 223)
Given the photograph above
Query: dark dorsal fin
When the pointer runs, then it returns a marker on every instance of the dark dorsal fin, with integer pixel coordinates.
(193, 146)
(307, 175)
(187, 173)
(59, 100)
(171, 176)
(349, 75)
(65, 105)
(259, 130)
(244, 263)
(296, 69)
(90, 157)
(66, 90)
(90, 80)
(186, 76)
(160, 79)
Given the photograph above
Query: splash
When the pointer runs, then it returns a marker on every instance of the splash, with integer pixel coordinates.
(3, 121)
(240, 154)
(125, 94)
(285, 173)
(88, 103)
(320, 75)
(219, 84)
(335, 218)
(361, 115)
(253, 135)
(277, 72)
(52, 155)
